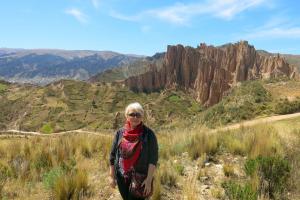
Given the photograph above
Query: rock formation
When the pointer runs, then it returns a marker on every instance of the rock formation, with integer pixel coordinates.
(208, 71)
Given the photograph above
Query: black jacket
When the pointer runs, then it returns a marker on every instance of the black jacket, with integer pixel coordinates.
(149, 153)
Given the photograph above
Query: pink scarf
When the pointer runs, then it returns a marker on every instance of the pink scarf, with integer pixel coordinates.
(130, 147)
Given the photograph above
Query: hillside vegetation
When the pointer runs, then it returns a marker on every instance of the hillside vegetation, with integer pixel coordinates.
(135, 68)
(254, 99)
(69, 105)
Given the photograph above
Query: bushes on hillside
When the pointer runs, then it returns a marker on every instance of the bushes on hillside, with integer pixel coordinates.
(268, 179)
(273, 172)
(284, 106)
(236, 191)
(244, 102)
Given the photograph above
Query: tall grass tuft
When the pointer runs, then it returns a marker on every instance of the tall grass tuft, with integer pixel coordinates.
(252, 141)
(198, 144)
(190, 189)
(71, 186)
(167, 174)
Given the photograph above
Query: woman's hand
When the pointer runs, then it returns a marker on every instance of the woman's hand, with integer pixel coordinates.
(147, 183)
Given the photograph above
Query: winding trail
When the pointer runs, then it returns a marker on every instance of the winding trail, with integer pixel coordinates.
(24, 134)
(256, 121)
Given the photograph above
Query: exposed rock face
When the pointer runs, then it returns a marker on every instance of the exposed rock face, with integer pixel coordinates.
(208, 72)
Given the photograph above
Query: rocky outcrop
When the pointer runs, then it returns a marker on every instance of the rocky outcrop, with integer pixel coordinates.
(208, 72)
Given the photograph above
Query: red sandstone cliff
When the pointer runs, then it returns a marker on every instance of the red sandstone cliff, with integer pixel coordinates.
(208, 72)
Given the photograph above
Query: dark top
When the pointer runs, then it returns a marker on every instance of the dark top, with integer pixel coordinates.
(149, 153)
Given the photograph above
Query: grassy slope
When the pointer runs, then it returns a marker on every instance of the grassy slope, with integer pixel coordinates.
(254, 99)
(133, 69)
(68, 105)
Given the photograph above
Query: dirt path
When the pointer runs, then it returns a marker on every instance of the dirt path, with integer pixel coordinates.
(22, 134)
(257, 121)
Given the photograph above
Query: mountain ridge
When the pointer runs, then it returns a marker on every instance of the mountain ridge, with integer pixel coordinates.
(43, 66)
(208, 72)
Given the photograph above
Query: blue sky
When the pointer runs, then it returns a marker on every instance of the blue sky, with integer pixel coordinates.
(146, 27)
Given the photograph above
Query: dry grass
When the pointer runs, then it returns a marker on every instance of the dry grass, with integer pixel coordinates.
(228, 170)
(252, 141)
(71, 186)
(29, 160)
(33, 161)
(167, 174)
(190, 191)
(157, 190)
(289, 89)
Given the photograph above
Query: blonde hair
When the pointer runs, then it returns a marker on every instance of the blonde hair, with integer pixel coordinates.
(134, 106)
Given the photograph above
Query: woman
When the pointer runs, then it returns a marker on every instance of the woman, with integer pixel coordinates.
(134, 150)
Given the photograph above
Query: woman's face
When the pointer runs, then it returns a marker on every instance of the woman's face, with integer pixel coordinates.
(134, 117)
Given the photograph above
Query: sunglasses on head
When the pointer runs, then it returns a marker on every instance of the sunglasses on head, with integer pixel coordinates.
(135, 114)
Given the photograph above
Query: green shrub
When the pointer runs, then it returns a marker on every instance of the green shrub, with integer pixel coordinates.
(43, 160)
(284, 106)
(174, 98)
(46, 128)
(50, 178)
(251, 166)
(235, 191)
(274, 173)
(244, 102)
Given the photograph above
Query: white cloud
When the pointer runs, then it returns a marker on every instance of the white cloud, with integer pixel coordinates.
(80, 16)
(229, 8)
(120, 16)
(96, 3)
(275, 28)
(181, 13)
(275, 32)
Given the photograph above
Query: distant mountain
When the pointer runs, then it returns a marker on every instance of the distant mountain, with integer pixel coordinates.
(42, 66)
(135, 68)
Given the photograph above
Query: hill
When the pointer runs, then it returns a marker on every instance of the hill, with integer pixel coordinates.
(42, 66)
(69, 105)
(132, 69)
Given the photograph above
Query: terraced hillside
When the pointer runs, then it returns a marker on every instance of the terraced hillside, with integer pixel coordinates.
(71, 105)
